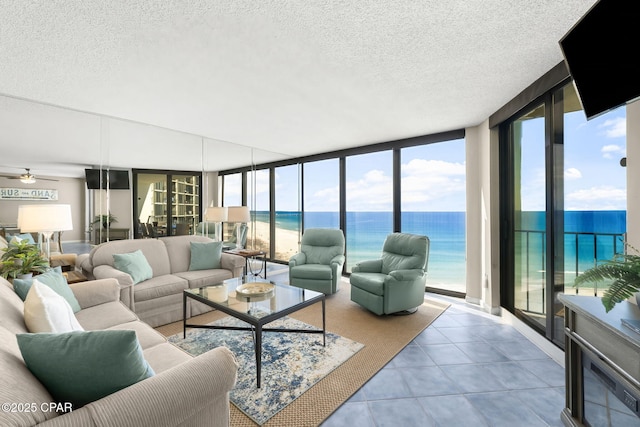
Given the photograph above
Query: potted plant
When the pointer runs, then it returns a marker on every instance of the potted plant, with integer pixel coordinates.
(624, 270)
(104, 219)
(20, 259)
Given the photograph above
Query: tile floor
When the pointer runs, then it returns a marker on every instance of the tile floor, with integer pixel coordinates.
(466, 369)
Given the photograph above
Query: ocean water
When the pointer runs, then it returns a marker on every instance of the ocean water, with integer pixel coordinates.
(366, 232)
(590, 237)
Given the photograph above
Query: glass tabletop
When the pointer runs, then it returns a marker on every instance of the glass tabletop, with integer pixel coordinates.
(264, 303)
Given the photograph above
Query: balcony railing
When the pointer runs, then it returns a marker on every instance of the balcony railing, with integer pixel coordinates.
(583, 250)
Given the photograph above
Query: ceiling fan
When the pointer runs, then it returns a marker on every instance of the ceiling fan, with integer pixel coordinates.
(28, 177)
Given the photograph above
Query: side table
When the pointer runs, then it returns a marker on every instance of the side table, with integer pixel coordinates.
(249, 253)
(74, 277)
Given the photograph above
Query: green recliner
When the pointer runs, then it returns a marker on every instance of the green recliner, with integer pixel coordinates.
(318, 265)
(396, 282)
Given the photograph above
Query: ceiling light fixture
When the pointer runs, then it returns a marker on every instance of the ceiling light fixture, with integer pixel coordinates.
(28, 179)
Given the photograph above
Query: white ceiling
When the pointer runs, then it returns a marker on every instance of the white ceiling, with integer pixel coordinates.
(286, 78)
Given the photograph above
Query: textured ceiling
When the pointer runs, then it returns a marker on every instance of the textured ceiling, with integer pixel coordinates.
(287, 77)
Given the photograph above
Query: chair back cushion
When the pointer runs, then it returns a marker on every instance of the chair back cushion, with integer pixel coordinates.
(321, 245)
(402, 251)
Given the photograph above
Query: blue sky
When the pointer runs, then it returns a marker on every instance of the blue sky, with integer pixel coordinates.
(433, 176)
(594, 179)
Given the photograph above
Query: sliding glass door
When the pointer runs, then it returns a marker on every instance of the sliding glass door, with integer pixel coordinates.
(563, 184)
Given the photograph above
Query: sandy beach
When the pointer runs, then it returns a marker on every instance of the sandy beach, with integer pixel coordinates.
(286, 240)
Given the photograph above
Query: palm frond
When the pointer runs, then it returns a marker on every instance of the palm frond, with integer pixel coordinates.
(621, 289)
(623, 269)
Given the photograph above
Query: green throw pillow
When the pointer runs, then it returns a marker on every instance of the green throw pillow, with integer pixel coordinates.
(16, 238)
(205, 256)
(53, 279)
(135, 264)
(81, 367)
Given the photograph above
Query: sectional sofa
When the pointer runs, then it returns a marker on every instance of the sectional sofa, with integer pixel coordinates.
(184, 391)
(158, 300)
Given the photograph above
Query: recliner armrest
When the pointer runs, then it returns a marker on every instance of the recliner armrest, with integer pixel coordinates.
(406, 275)
(369, 266)
(337, 260)
(298, 259)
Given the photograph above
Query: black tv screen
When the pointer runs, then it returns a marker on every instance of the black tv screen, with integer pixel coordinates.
(601, 53)
(118, 180)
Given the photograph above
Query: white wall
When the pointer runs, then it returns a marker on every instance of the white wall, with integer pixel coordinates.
(633, 174)
(482, 224)
(70, 191)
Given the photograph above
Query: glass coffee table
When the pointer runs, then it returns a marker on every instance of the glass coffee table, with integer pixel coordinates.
(256, 302)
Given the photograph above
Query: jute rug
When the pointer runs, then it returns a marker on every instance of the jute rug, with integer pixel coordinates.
(382, 336)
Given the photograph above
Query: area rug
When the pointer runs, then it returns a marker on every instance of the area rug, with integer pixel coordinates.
(291, 362)
(383, 338)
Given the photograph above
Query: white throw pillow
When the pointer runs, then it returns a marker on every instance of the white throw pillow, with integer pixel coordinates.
(46, 311)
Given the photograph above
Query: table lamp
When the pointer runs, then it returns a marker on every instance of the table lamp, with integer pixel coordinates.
(239, 215)
(217, 215)
(45, 219)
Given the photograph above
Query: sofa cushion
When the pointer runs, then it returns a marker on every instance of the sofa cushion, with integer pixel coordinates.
(154, 251)
(200, 278)
(11, 308)
(135, 264)
(52, 278)
(46, 311)
(19, 384)
(147, 336)
(165, 356)
(157, 287)
(205, 256)
(105, 315)
(179, 250)
(80, 367)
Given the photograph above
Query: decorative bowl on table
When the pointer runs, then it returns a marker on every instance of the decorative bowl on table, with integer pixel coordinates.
(255, 291)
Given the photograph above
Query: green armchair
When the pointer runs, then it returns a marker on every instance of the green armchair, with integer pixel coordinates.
(318, 265)
(396, 282)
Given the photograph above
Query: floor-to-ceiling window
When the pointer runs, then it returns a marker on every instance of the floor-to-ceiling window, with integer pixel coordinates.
(595, 190)
(288, 219)
(529, 214)
(321, 194)
(433, 203)
(563, 191)
(369, 195)
(360, 191)
(258, 199)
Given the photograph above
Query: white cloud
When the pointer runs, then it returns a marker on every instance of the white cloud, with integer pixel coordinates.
(426, 185)
(615, 128)
(372, 192)
(572, 173)
(609, 150)
(604, 197)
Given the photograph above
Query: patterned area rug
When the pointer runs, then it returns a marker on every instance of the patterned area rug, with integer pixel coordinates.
(291, 362)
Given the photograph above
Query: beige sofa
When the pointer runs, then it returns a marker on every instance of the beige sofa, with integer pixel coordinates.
(158, 301)
(185, 390)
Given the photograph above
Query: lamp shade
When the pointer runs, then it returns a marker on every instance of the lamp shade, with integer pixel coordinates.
(216, 214)
(239, 214)
(44, 218)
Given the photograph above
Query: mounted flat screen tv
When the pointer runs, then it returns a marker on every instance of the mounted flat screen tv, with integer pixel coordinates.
(601, 53)
(118, 180)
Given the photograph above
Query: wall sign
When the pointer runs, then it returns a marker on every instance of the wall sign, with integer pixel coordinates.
(28, 194)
